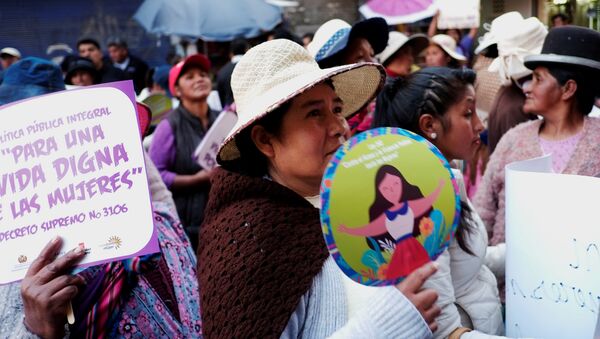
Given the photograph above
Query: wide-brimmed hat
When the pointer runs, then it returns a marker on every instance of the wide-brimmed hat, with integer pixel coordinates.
(77, 64)
(333, 37)
(10, 51)
(448, 44)
(397, 40)
(276, 71)
(569, 45)
(30, 77)
(507, 23)
(522, 39)
(199, 60)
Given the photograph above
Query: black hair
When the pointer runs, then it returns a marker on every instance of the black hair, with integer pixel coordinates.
(432, 90)
(88, 41)
(239, 46)
(587, 85)
(252, 162)
(563, 16)
(117, 42)
(380, 204)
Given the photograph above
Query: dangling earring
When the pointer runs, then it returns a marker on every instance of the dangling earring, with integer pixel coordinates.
(433, 135)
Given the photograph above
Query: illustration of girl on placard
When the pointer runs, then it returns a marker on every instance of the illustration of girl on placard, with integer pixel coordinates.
(395, 213)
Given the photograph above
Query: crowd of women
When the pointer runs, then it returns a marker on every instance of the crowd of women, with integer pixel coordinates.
(261, 268)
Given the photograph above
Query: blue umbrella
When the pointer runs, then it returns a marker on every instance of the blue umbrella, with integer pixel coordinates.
(211, 20)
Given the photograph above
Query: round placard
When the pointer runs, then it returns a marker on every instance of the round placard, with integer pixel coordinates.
(389, 204)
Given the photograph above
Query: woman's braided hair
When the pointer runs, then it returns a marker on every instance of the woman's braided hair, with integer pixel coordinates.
(431, 91)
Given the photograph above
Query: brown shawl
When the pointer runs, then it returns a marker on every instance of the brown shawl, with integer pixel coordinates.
(260, 247)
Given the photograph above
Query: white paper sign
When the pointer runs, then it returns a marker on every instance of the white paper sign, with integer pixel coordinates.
(553, 252)
(206, 152)
(458, 14)
(72, 165)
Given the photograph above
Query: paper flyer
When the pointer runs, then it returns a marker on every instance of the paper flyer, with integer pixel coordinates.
(458, 14)
(206, 152)
(552, 252)
(72, 165)
(389, 204)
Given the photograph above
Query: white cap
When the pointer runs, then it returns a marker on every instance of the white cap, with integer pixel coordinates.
(11, 51)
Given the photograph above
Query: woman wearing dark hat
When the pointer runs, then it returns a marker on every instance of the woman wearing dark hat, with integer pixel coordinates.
(336, 43)
(401, 51)
(264, 268)
(178, 135)
(562, 91)
(81, 72)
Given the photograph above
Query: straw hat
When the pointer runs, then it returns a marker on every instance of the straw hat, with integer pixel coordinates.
(506, 23)
(276, 71)
(448, 44)
(517, 41)
(570, 45)
(333, 36)
(396, 40)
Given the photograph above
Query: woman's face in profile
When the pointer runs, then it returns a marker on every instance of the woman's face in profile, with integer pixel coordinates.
(311, 131)
(460, 139)
(542, 92)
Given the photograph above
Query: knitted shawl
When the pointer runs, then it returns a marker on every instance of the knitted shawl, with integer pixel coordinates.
(260, 247)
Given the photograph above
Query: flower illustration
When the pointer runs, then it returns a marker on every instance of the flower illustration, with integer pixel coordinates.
(382, 271)
(387, 245)
(426, 226)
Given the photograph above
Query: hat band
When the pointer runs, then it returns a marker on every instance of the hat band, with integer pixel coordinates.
(332, 41)
(563, 59)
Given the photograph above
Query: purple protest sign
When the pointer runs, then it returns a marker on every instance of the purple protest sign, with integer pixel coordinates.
(73, 165)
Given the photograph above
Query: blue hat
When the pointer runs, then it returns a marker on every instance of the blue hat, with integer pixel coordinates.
(334, 35)
(30, 77)
(161, 77)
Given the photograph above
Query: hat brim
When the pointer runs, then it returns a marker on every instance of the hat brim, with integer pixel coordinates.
(453, 54)
(418, 41)
(533, 61)
(484, 45)
(14, 93)
(375, 30)
(355, 84)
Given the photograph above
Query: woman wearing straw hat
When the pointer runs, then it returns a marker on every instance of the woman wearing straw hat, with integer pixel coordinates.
(400, 54)
(442, 52)
(264, 269)
(562, 91)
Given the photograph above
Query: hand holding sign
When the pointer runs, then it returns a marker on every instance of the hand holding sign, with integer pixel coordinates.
(47, 290)
(424, 300)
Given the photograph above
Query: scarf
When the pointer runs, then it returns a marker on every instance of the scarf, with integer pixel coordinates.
(260, 247)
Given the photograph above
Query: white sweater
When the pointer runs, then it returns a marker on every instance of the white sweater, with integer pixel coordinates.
(468, 294)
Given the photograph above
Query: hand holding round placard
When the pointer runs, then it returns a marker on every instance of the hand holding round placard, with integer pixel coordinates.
(389, 205)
